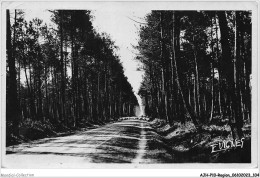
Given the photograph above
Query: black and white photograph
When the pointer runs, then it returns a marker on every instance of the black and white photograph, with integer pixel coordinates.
(122, 84)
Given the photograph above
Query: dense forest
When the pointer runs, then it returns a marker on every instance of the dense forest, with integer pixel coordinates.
(62, 76)
(66, 79)
(197, 67)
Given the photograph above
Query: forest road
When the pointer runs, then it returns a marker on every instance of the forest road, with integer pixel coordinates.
(130, 141)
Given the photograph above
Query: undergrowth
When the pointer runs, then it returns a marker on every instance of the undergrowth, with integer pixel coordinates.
(30, 130)
(190, 145)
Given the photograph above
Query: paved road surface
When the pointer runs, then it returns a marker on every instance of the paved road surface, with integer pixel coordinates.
(129, 141)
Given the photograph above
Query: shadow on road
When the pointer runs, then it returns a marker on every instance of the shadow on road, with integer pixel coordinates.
(120, 142)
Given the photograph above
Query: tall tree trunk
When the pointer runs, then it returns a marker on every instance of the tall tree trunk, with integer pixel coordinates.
(220, 93)
(46, 108)
(212, 94)
(62, 109)
(237, 71)
(212, 76)
(13, 110)
(197, 84)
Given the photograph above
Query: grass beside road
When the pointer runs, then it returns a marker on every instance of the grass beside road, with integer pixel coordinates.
(189, 145)
(33, 130)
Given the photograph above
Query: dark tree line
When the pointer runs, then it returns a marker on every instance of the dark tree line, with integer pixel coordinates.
(67, 74)
(197, 66)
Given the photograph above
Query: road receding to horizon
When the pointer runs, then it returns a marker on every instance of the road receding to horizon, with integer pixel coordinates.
(130, 141)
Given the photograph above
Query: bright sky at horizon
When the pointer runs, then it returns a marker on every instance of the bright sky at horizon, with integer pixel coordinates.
(124, 32)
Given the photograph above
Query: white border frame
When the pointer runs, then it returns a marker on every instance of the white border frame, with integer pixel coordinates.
(155, 170)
